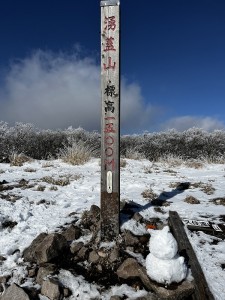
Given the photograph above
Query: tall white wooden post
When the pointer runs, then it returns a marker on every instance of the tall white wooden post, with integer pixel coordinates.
(110, 132)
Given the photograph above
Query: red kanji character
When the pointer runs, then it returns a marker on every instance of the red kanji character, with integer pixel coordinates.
(109, 128)
(109, 118)
(111, 162)
(111, 23)
(109, 151)
(109, 44)
(109, 140)
(110, 66)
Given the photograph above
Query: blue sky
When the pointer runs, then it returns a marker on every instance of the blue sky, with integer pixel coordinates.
(172, 64)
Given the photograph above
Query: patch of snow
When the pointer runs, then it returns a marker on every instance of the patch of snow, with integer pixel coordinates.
(135, 227)
(80, 288)
(124, 290)
(84, 239)
(138, 256)
(107, 245)
(85, 291)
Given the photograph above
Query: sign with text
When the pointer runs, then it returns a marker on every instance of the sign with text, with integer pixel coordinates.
(205, 226)
(110, 124)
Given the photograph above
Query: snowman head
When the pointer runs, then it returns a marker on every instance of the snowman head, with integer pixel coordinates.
(162, 243)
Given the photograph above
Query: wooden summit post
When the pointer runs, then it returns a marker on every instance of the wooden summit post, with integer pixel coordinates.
(110, 124)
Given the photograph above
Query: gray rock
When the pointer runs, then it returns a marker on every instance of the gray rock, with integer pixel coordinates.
(33, 292)
(75, 247)
(130, 268)
(129, 248)
(91, 217)
(1, 290)
(103, 253)
(14, 292)
(99, 268)
(50, 288)
(115, 297)
(32, 272)
(44, 271)
(93, 257)
(149, 296)
(50, 248)
(144, 239)
(29, 253)
(66, 292)
(130, 239)
(83, 253)
(114, 255)
(182, 291)
(72, 233)
(2, 258)
(95, 211)
(137, 217)
(4, 279)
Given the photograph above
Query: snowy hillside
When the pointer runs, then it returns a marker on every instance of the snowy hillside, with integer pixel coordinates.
(41, 196)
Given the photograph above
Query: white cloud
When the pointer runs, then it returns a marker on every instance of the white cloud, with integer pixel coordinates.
(186, 122)
(57, 91)
(135, 115)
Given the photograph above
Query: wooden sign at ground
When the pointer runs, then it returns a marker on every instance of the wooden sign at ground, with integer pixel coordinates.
(206, 226)
(202, 291)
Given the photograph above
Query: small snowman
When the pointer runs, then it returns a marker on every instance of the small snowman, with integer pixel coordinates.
(163, 263)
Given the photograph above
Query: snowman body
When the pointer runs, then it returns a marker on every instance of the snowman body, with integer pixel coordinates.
(163, 264)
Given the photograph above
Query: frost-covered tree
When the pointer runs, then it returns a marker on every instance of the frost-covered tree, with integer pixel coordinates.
(193, 143)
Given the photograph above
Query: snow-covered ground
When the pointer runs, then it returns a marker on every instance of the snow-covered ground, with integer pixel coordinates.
(46, 204)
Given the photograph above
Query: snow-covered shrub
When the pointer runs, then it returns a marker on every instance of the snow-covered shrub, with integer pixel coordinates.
(47, 164)
(3, 141)
(171, 160)
(171, 146)
(129, 142)
(194, 163)
(191, 200)
(63, 181)
(47, 143)
(30, 170)
(148, 169)
(134, 154)
(91, 139)
(21, 138)
(216, 147)
(18, 159)
(40, 188)
(76, 154)
(180, 146)
(149, 194)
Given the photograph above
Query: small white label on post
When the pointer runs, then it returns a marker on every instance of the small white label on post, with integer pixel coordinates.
(109, 182)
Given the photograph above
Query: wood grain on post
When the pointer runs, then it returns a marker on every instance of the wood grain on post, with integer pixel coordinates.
(110, 124)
